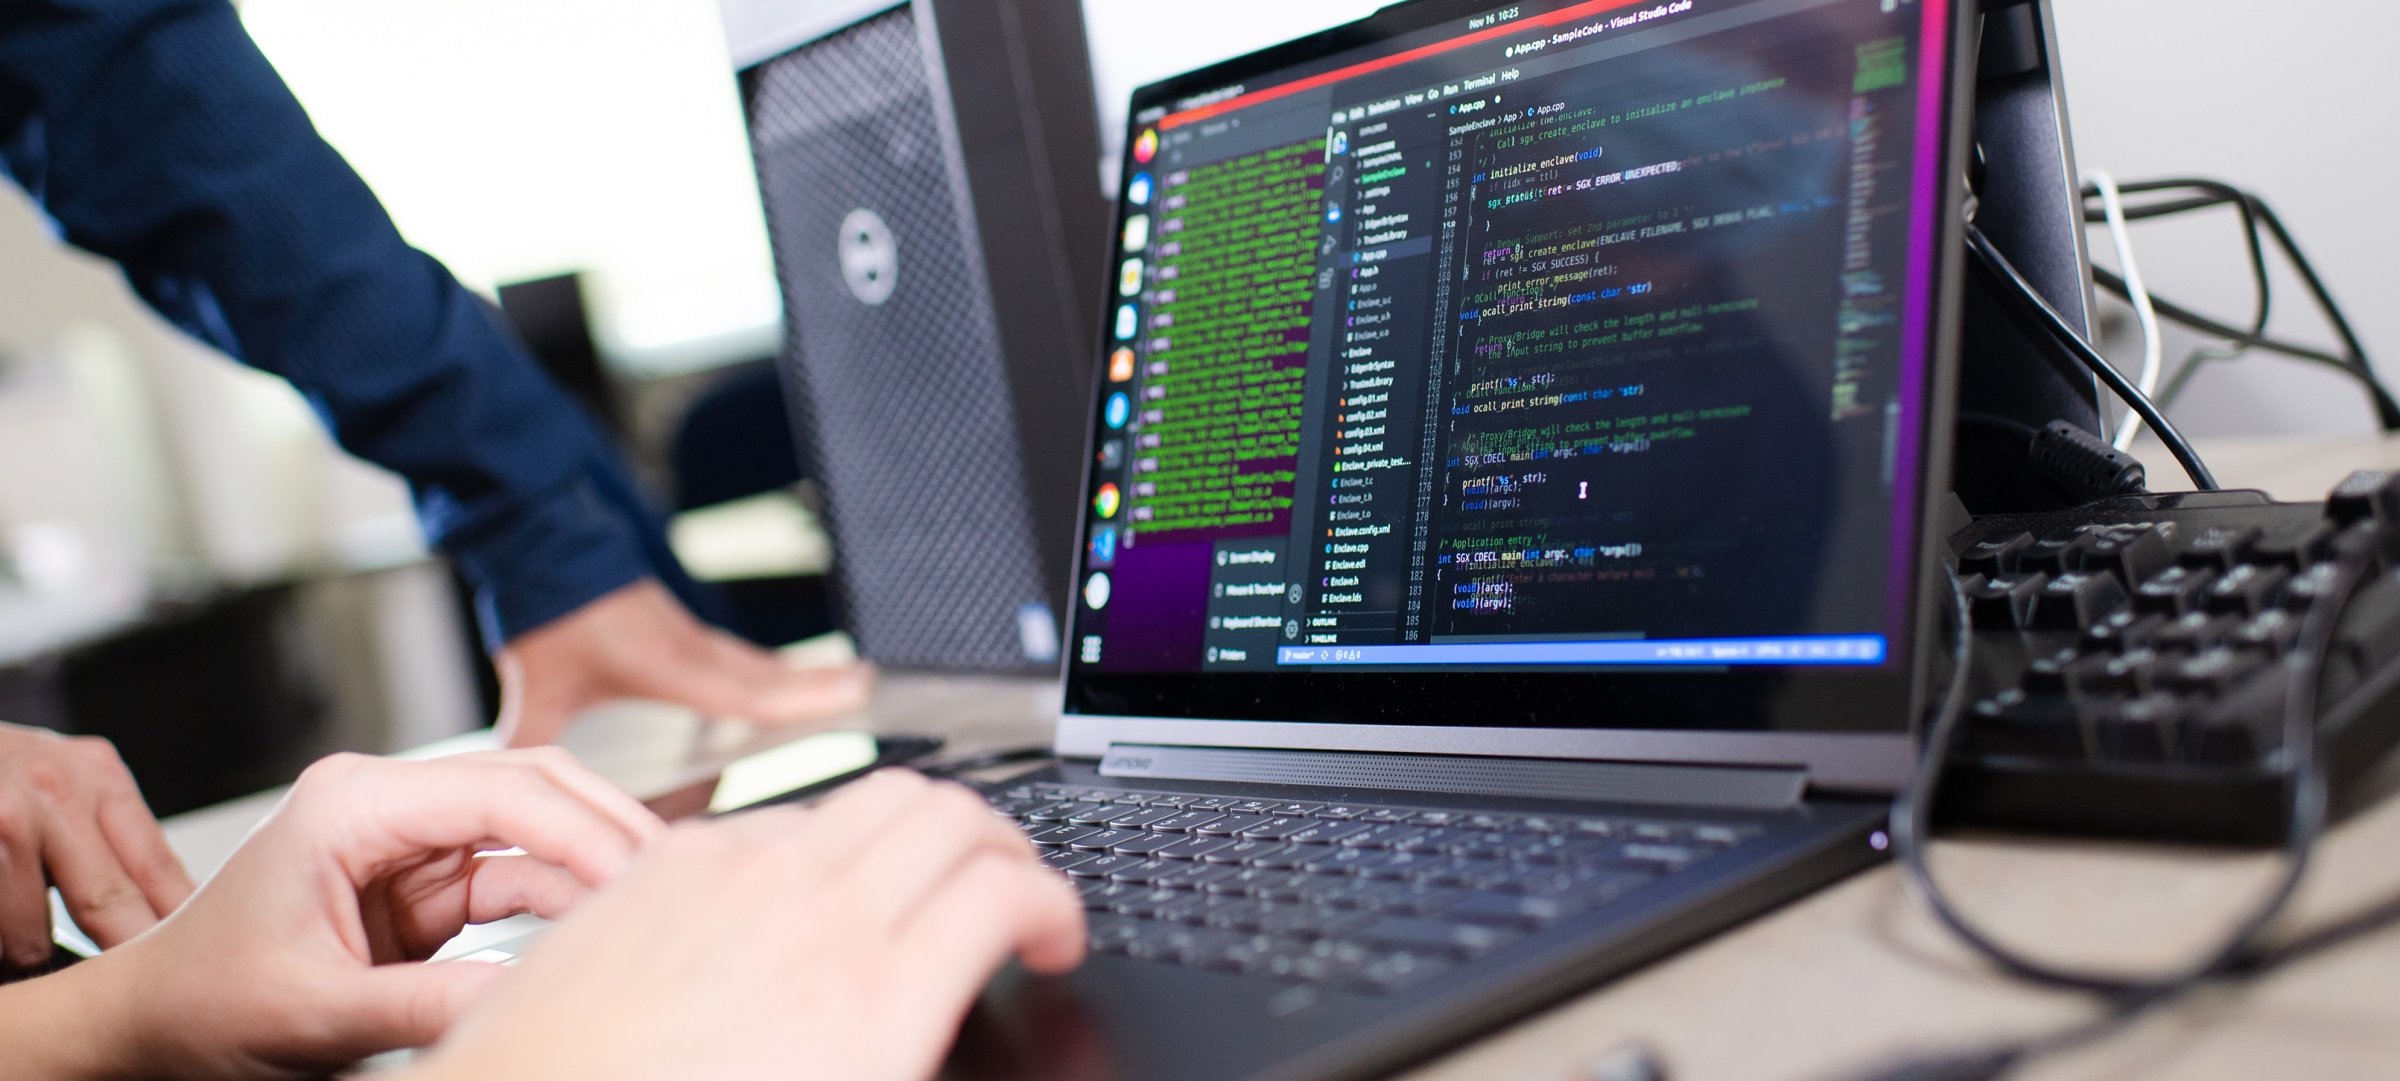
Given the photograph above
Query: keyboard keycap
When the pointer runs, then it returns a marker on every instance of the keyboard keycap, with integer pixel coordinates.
(2294, 551)
(2246, 590)
(1387, 836)
(2174, 591)
(1193, 848)
(1057, 836)
(1093, 814)
(2048, 554)
(2123, 632)
(1147, 844)
(1348, 861)
(2217, 547)
(1243, 851)
(1100, 866)
(2369, 494)
(1142, 818)
(2194, 633)
(1055, 811)
(1288, 857)
(2270, 635)
(1993, 556)
(1103, 839)
(2003, 602)
(1326, 831)
(2132, 556)
(1229, 825)
(1185, 821)
(1066, 859)
(2075, 600)
(1147, 872)
(1276, 829)
(2212, 673)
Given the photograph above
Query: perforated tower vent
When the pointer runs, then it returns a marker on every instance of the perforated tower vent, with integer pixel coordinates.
(893, 356)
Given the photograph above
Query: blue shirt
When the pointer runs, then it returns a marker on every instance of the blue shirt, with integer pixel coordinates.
(154, 133)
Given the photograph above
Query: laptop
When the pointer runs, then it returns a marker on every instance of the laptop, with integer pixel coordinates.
(1503, 549)
(1503, 545)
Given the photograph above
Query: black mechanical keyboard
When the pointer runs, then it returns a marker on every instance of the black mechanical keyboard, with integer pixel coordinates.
(1366, 897)
(2128, 668)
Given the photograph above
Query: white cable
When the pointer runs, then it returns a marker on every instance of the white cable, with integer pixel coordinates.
(2112, 204)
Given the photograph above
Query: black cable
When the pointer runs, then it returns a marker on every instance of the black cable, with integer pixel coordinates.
(2029, 304)
(2218, 195)
(2127, 998)
(2257, 216)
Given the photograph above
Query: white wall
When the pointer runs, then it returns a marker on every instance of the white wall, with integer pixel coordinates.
(520, 138)
(2291, 100)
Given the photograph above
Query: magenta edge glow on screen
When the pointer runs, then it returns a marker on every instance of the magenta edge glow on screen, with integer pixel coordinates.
(1916, 333)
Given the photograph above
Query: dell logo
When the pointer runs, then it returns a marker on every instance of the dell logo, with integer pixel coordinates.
(869, 256)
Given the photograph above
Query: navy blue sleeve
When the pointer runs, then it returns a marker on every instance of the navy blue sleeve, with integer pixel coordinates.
(154, 133)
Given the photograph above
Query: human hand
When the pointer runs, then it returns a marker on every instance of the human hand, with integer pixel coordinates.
(291, 961)
(850, 937)
(639, 643)
(70, 814)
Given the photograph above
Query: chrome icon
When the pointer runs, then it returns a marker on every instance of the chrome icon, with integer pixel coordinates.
(1107, 501)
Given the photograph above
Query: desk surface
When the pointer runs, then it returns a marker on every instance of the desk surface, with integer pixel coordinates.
(1846, 976)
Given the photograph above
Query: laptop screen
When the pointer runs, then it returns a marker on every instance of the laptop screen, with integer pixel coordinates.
(1464, 363)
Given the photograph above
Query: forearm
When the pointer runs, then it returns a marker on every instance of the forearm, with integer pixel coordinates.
(67, 1026)
(169, 145)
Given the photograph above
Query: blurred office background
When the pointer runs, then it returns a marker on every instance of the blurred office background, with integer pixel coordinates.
(188, 566)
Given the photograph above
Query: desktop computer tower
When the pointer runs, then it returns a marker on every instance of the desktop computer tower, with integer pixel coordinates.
(930, 175)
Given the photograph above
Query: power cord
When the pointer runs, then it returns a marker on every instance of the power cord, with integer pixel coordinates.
(2029, 306)
(2125, 997)
(2259, 223)
(2112, 210)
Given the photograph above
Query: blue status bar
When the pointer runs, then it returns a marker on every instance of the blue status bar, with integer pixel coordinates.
(1808, 650)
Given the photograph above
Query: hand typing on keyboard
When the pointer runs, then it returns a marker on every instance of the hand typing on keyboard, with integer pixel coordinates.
(842, 941)
(301, 955)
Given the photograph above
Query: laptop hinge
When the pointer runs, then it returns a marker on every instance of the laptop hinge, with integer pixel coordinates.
(1761, 788)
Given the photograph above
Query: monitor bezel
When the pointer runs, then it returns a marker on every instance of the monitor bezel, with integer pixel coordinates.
(1562, 713)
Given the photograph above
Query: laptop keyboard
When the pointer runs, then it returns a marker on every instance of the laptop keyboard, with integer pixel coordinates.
(1366, 897)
